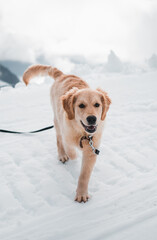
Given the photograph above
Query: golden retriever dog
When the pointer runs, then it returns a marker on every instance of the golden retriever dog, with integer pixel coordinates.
(79, 114)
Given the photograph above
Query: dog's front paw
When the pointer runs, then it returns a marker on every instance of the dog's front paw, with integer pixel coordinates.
(81, 197)
(63, 158)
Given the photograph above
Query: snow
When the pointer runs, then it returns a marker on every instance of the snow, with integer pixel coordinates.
(37, 191)
(2, 83)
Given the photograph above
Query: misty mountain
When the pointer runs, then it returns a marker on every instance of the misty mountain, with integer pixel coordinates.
(15, 67)
(114, 64)
(152, 61)
(8, 77)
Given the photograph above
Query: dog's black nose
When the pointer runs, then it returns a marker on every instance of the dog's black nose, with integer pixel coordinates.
(91, 119)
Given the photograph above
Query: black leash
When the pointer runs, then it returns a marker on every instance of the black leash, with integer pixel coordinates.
(39, 130)
(89, 138)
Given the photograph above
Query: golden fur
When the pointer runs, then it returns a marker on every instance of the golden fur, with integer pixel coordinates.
(73, 101)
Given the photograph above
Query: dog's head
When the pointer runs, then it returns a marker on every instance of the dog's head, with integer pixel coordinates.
(87, 107)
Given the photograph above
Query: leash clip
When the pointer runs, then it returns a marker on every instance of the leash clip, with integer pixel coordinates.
(96, 151)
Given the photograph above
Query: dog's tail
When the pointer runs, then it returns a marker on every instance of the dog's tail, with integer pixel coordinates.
(41, 70)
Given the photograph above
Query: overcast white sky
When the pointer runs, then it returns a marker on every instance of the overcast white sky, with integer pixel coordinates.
(91, 28)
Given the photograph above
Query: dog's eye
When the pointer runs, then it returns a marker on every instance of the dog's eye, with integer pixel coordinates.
(96, 105)
(81, 105)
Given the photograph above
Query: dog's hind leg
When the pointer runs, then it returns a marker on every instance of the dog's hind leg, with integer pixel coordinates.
(71, 152)
(61, 152)
(62, 156)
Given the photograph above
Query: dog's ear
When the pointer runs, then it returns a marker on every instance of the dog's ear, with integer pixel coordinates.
(68, 101)
(106, 101)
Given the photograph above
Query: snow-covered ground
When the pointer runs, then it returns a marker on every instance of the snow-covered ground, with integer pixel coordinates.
(37, 191)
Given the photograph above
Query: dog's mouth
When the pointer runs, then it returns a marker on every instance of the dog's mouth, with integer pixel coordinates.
(90, 128)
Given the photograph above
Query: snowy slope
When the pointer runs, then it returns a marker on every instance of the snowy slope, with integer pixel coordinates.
(37, 191)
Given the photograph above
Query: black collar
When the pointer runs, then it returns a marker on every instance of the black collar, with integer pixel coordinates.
(83, 138)
(90, 139)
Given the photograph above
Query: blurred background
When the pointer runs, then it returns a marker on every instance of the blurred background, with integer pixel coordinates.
(77, 36)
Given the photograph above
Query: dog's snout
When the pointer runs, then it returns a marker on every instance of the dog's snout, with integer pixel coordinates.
(91, 119)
